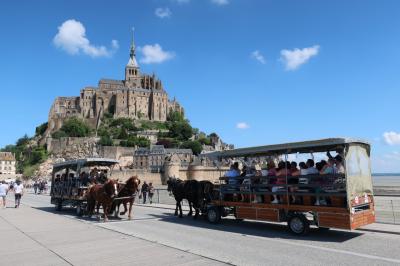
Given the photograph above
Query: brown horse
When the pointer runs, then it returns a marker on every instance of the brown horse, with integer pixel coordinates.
(102, 195)
(127, 193)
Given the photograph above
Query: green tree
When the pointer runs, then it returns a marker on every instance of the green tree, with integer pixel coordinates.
(41, 129)
(181, 130)
(204, 140)
(123, 134)
(23, 141)
(59, 134)
(195, 146)
(75, 127)
(175, 116)
(37, 155)
(125, 123)
(106, 140)
(133, 141)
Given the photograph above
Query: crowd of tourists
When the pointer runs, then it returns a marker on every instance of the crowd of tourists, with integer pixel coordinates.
(40, 186)
(284, 173)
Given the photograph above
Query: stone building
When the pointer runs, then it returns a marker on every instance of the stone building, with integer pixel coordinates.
(7, 163)
(153, 158)
(138, 96)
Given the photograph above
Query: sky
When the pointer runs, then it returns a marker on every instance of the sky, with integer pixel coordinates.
(256, 72)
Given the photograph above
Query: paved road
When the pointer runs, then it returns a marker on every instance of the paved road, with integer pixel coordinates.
(234, 242)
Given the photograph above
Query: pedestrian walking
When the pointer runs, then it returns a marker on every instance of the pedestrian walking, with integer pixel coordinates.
(35, 186)
(3, 192)
(18, 192)
(144, 190)
(151, 192)
(41, 187)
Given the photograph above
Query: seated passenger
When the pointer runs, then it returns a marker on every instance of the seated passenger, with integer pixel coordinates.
(84, 178)
(294, 179)
(339, 164)
(320, 165)
(281, 174)
(71, 176)
(303, 168)
(271, 167)
(232, 174)
(329, 167)
(244, 171)
(311, 170)
(294, 171)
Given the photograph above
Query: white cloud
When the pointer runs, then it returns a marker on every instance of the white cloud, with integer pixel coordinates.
(391, 138)
(258, 56)
(293, 59)
(242, 125)
(155, 54)
(163, 12)
(71, 37)
(220, 2)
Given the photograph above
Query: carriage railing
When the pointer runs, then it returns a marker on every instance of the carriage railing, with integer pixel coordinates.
(307, 189)
(72, 187)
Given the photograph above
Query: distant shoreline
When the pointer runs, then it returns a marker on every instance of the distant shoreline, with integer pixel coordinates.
(386, 174)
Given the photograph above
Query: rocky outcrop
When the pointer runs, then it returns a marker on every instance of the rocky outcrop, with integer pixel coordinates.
(73, 148)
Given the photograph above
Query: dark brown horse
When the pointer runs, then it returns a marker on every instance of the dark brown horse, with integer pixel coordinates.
(101, 195)
(127, 192)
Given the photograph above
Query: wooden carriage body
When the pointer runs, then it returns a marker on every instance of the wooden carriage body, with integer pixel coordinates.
(349, 195)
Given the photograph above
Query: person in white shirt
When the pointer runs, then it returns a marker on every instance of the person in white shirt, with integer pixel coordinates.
(3, 192)
(311, 170)
(18, 192)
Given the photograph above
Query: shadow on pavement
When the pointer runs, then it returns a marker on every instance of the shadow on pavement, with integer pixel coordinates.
(70, 212)
(245, 228)
(260, 229)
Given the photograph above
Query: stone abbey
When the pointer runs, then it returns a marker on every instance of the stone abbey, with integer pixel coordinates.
(138, 96)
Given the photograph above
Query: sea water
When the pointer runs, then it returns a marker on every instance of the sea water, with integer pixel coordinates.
(386, 179)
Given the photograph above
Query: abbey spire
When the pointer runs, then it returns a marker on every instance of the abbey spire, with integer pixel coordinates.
(132, 68)
(132, 55)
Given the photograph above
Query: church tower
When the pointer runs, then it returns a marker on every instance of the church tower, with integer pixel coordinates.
(132, 74)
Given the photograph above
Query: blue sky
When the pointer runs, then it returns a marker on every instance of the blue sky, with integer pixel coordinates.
(233, 64)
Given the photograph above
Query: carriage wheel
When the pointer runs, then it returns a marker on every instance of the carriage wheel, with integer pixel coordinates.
(213, 215)
(298, 224)
(79, 210)
(58, 205)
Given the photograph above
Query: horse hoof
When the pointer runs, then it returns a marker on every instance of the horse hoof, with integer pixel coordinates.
(180, 216)
(129, 217)
(175, 214)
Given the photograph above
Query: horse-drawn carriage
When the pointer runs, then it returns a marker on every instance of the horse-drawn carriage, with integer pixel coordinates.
(73, 186)
(339, 198)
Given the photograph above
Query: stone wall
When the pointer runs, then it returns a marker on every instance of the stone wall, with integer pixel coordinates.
(123, 175)
(116, 152)
(198, 172)
(73, 148)
(191, 173)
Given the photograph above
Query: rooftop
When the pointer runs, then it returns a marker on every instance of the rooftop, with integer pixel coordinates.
(7, 156)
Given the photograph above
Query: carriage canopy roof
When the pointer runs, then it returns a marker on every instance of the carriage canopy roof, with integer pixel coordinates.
(87, 162)
(321, 145)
